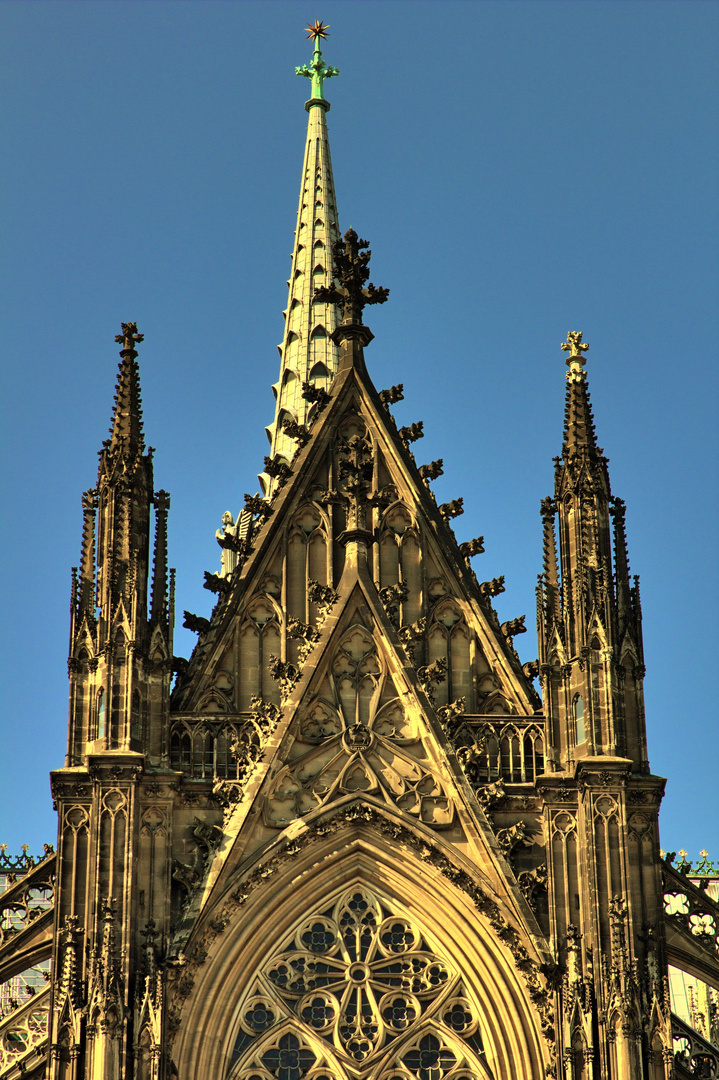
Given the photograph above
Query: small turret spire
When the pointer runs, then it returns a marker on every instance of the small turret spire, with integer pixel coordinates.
(127, 411)
(579, 430)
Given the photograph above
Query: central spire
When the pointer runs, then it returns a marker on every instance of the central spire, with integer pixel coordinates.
(308, 353)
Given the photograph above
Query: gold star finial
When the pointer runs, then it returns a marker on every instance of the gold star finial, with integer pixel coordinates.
(317, 29)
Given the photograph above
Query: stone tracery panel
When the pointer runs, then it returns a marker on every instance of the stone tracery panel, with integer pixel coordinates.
(357, 985)
(360, 740)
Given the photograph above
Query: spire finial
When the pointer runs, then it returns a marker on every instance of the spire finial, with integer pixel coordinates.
(129, 338)
(318, 71)
(575, 361)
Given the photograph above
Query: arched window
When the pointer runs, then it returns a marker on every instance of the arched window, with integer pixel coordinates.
(580, 734)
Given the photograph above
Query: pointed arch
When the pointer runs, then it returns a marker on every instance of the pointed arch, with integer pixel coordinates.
(425, 913)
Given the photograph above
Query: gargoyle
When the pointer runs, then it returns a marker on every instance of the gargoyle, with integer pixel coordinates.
(180, 664)
(296, 431)
(393, 395)
(432, 471)
(196, 623)
(472, 547)
(215, 583)
(513, 627)
(412, 432)
(492, 588)
(531, 669)
(451, 509)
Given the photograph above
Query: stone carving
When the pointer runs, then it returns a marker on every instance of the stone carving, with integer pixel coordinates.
(206, 834)
(296, 431)
(513, 627)
(258, 507)
(492, 588)
(278, 470)
(392, 396)
(215, 583)
(472, 547)
(392, 596)
(285, 674)
(512, 837)
(533, 883)
(431, 675)
(315, 395)
(491, 795)
(196, 623)
(451, 509)
(411, 433)
(129, 337)
(432, 471)
(451, 716)
(308, 635)
(411, 635)
(358, 737)
(351, 258)
(323, 596)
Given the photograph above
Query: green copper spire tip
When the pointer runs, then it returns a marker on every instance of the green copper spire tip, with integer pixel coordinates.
(318, 71)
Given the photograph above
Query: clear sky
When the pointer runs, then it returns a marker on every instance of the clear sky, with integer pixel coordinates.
(520, 168)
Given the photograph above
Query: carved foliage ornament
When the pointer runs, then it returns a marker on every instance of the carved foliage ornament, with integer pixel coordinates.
(359, 983)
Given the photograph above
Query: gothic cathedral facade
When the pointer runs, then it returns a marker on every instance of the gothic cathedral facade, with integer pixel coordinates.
(352, 841)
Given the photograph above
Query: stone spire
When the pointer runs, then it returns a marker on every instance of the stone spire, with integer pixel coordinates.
(588, 618)
(308, 353)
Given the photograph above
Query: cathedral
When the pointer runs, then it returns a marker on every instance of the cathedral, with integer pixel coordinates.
(353, 837)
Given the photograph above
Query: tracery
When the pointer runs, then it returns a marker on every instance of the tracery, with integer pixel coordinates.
(357, 991)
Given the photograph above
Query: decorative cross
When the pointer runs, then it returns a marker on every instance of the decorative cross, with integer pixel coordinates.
(129, 337)
(575, 361)
(573, 344)
(351, 270)
(317, 70)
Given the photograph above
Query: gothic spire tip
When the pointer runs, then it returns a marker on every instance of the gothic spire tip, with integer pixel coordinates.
(317, 70)
(575, 361)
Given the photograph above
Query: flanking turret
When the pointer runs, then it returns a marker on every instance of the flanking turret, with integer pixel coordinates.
(589, 616)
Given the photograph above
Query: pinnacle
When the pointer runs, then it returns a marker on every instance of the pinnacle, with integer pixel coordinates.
(126, 424)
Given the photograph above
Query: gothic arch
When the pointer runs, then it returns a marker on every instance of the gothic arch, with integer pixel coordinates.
(313, 880)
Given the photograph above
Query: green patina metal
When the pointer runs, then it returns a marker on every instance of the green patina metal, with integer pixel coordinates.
(318, 71)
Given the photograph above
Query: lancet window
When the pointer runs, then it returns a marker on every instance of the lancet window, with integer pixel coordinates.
(259, 639)
(203, 752)
(449, 640)
(357, 990)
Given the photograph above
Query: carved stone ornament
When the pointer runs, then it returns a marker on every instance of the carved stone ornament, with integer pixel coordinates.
(360, 975)
(356, 736)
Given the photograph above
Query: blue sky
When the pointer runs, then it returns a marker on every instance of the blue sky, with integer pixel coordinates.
(520, 168)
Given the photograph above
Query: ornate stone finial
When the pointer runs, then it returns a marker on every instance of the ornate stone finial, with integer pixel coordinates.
(129, 338)
(575, 361)
(351, 270)
(317, 70)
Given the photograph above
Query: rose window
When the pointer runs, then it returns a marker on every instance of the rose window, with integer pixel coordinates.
(358, 979)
